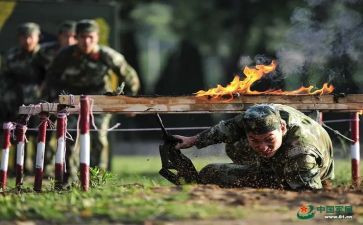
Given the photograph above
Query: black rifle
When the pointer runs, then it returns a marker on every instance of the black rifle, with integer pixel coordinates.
(173, 159)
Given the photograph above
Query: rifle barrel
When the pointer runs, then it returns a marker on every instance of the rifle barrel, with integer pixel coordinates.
(160, 121)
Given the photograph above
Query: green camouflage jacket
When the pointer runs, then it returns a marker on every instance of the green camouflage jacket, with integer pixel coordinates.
(77, 73)
(21, 82)
(45, 56)
(304, 159)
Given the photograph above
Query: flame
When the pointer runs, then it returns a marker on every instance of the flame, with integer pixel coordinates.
(238, 86)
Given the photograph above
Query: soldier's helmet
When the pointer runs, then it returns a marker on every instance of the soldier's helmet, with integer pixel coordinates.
(86, 26)
(67, 26)
(28, 28)
(260, 119)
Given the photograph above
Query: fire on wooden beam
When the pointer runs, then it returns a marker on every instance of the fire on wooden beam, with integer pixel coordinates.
(191, 104)
(243, 87)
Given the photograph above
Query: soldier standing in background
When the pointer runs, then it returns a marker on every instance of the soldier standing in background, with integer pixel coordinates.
(20, 82)
(270, 146)
(66, 36)
(86, 68)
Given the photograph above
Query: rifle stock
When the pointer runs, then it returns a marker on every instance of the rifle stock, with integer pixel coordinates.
(173, 159)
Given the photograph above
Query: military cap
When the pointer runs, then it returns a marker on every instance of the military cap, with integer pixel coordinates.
(260, 119)
(67, 26)
(28, 29)
(85, 26)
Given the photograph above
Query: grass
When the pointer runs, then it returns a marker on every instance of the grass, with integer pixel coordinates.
(132, 194)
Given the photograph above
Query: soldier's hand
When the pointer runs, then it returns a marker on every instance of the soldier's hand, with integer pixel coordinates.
(186, 142)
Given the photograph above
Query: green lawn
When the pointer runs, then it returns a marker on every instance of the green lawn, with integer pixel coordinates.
(134, 193)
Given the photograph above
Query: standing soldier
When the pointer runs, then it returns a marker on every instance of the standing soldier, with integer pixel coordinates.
(20, 81)
(47, 52)
(86, 68)
(66, 36)
(270, 146)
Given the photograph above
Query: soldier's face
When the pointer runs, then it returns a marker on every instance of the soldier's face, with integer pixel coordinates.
(67, 38)
(87, 41)
(29, 42)
(267, 144)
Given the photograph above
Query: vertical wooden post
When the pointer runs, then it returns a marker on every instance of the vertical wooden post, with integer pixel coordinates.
(84, 141)
(355, 149)
(61, 148)
(321, 118)
(5, 155)
(39, 163)
(20, 131)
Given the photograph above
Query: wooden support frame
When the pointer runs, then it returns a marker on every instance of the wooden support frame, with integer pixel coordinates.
(192, 104)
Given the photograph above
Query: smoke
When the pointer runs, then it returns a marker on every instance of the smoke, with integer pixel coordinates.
(348, 26)
(322, 32)
(291, 61)
(315, 2)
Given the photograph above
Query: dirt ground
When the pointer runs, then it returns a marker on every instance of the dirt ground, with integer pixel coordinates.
(270, 206)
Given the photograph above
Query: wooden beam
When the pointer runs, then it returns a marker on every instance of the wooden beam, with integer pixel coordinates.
(44, 107)
(192, 104)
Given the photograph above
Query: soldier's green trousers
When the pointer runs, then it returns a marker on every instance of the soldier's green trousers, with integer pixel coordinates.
(235, 175)
(243, 172)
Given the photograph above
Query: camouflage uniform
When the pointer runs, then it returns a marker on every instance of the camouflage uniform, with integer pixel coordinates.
(304, 160)
(20, 85)
(48, 51)
(45, 56)
(22, 82)
(76, 73)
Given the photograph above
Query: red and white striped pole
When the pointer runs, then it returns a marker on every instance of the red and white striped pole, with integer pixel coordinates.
(355, 148)
(84, 141)
(39, 163)
(61, 147)
(7, 127)
(321, 118)
(20, 144)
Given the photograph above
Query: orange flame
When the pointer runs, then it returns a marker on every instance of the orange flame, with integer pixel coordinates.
(238, 86)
